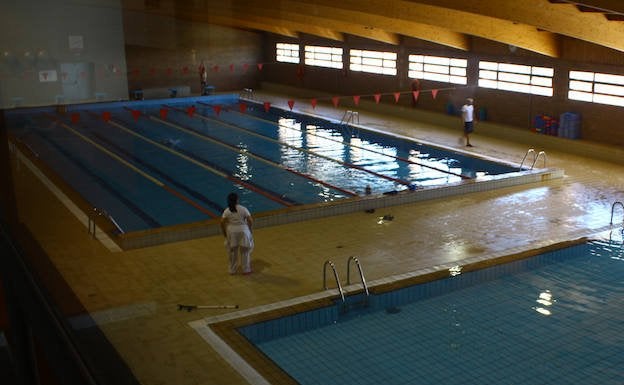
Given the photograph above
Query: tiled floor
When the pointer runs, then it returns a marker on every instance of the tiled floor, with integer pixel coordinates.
(133, 295)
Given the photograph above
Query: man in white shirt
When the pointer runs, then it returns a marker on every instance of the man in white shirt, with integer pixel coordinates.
(467, 113)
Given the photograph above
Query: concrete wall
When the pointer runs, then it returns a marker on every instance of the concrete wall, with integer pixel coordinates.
(599, 122)
(55, 51)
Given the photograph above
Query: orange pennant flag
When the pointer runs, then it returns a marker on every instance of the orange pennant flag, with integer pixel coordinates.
(434, 93)
(75, 117)
(242, 107)
(231, 67)
(291, 104)
(335, 101)
(397, 95)
(260, 65)
(106, 116)
(217, 110)
(190, 111)
(415, 94)
(163, 113)
(313, 103)
(356, 100)
(267, 106)
(245, 67)
(136, 114)
(377, 98)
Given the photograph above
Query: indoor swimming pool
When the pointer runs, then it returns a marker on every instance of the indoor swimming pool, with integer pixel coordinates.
(154, 164)
(554, 318)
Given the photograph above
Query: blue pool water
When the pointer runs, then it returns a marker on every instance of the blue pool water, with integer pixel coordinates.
(557, 318)
(149, 170)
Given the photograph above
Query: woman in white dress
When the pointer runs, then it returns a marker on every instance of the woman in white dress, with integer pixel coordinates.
(236, 226)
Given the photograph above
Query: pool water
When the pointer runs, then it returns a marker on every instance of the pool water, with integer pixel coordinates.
(557, 318)
(149, 170)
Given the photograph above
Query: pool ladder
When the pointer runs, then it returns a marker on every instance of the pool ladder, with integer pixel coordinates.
(340, 289)
(247, 93)
(535, 158)
(96, 212)
(350, 116)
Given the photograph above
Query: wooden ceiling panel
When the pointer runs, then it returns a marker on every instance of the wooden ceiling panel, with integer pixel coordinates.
(533, 25)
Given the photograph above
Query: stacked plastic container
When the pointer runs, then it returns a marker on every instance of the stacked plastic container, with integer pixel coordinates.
(545, 124)
(570, 125)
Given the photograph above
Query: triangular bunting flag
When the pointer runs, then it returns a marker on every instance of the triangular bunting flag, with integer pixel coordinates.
(291, 104)
(185, 70)
(356, 99)
(335, 101)
(163, 113)
(260, 65)
(190, 111)
(397, 95)
(377, 98)
(267, 106)
(217, 109)
(231, 67)
(215, 68)
(75, 117)
(245, 67)
(136, 114)
(313, 103)
(434, 93)
(242, 107)
(415, 94)
(106, 116)
(169, 71)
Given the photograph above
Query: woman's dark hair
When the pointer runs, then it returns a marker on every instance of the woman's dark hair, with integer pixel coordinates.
(232, 201)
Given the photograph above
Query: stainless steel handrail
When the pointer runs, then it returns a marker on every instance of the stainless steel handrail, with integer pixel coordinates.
(359, 266)
(100, 212)
(613, 210)
(529, 151)
(537, 157)
(331, 264)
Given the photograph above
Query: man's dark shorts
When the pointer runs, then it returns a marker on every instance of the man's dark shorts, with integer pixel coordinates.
(468, 127)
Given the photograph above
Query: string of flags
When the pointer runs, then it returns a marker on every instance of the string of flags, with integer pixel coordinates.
(163, 112)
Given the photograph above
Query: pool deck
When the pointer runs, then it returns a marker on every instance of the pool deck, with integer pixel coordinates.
(133, 295)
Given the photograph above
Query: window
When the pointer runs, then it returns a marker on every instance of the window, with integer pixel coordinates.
(596, 88)
(440, 69)
(330, 57)
(516, 77)
(287, 53)
(373, 61)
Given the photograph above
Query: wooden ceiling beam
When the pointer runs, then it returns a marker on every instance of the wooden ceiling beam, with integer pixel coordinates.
(518, 34)
(562, 19)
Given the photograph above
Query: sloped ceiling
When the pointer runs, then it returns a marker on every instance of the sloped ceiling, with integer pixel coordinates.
(534, 25)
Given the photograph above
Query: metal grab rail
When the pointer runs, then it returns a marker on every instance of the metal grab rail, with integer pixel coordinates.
(357, 263)
(95, 212)
(330, 263)
(529, 151)
(350, 116)
(537, 157)
(613, 210)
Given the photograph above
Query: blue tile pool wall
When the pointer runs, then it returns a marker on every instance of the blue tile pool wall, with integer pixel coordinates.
(265, 331)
